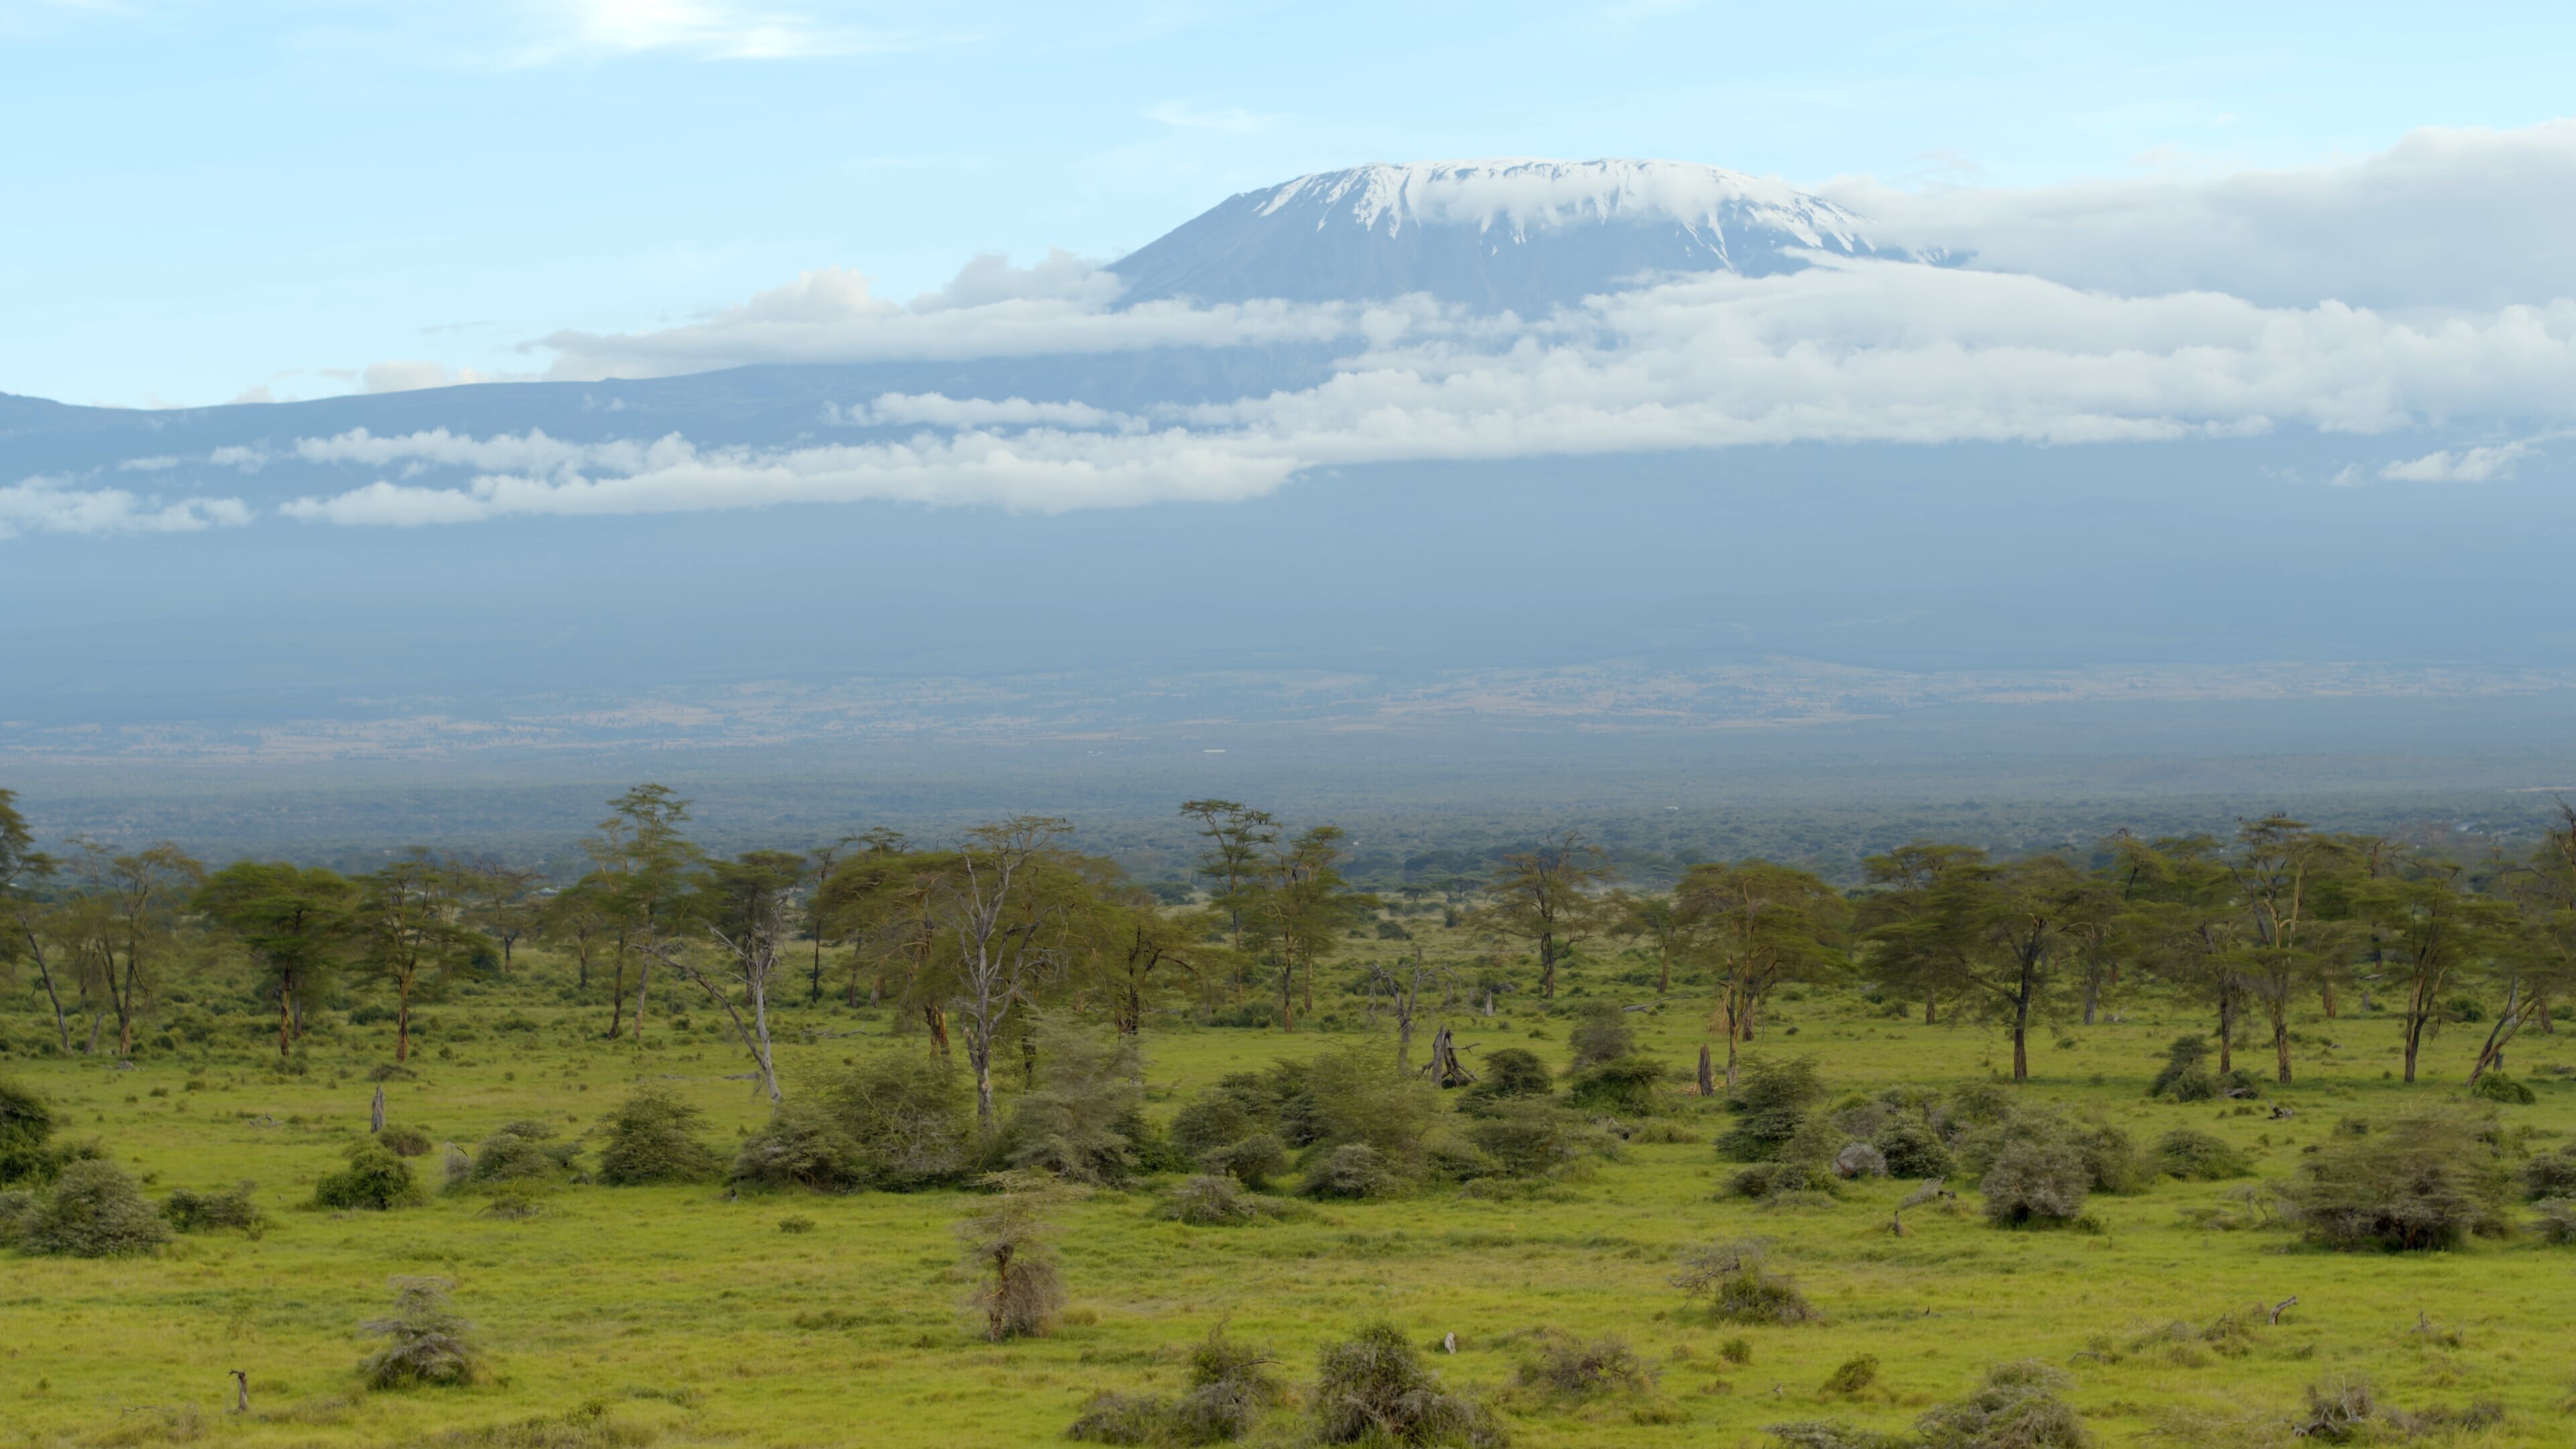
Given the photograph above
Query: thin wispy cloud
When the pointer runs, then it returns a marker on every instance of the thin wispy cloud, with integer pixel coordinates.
(1232, 120)
(712, 29)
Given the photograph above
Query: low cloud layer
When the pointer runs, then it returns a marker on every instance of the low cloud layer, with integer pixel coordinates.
(54, 505)
(1846, 351)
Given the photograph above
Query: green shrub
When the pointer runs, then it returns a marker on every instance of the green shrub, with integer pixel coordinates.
(2497, 1087)
(1601, 1034)
(521, 1152)
(1525, 1139)
(801, 1145)
(426, 1343)
(1114, 1418)
(1510, 1074)
(2016, 1408)
(406, 1141)
(1854, 1375)
(1086, 1090)
(17, 1208)
(1732, 1282)
(1913, 1149)
(2036, 1180)
(26, 1126)
(1351, 1170)
(200, 1212)
(2199, 1157)
(899, 1121)
(1221, 1115)
(652, 1137)
(2425, 1181)
(1358, 1098)
(2112, 1162)
(1575, 1369)
(1772, 1102)
(1373, 1388)
(375, 1180)
(1238, 1104)
(92, 1210)
(1254, 1161)
(1622, 1087)
(1229, 1387)
(2557, 1223)
(2552, 1174)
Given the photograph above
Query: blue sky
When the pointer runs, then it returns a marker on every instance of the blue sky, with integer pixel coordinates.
(207, 198)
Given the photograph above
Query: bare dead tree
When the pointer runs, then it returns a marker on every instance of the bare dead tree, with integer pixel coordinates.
(1004, 931)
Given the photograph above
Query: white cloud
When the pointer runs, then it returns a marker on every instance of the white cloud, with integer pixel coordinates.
(53, 505)
(1843, 351)
(2444, 218)
(989, 310)
(1233, 120)
(707, 28)
(2469, 465)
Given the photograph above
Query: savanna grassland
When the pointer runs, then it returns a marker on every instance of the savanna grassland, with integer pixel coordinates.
(683, 1315)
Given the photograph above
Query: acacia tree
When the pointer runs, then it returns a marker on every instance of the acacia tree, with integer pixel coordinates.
(883, 901)
(646, 863)
(124, 918)
(1755, 924)
(1551, 896)
(1005, 928)
(2538, 961)
(1237, 835)
(2193, 926)
(1656, 919)
(501, 901)
(22, 919)
(1299, 911)
(2277, 867)
(406, 924)
(1918, 939)
(2430, 930)
(747, 906)
(294, 921)
(2009, 929)
(578, 919)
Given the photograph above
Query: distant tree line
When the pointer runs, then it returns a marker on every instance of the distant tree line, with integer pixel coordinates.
(965, 940)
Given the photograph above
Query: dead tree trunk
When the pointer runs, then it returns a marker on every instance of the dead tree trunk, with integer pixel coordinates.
(1445, 1068)
(376, 1114)
(1707, 1072)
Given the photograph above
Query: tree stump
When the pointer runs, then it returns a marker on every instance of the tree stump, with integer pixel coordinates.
(376, 1113)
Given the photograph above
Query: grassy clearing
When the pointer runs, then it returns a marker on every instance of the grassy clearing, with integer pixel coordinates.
(683, 1316)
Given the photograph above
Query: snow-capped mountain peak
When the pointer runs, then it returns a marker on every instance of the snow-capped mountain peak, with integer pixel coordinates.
(1518, 233)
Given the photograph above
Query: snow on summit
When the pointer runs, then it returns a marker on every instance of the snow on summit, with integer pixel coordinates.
(1521, 196)
(1520, 234)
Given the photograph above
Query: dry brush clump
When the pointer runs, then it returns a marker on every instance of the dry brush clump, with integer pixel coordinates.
(1213, 1200)
(2017, 1407)
(1230, 1388)
(1018, 1290)
(426, 1342)
(1570, 1367)
(189, 1211)
(2426, 1181)
(1732, 1283)
(1373, 1388)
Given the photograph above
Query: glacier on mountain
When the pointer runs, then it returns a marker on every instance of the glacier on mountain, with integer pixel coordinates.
(1518, 235)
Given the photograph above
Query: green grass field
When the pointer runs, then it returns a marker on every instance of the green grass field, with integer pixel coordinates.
(694, 1319)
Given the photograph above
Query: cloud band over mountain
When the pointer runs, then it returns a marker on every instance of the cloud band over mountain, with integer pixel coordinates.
(2141, 311)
